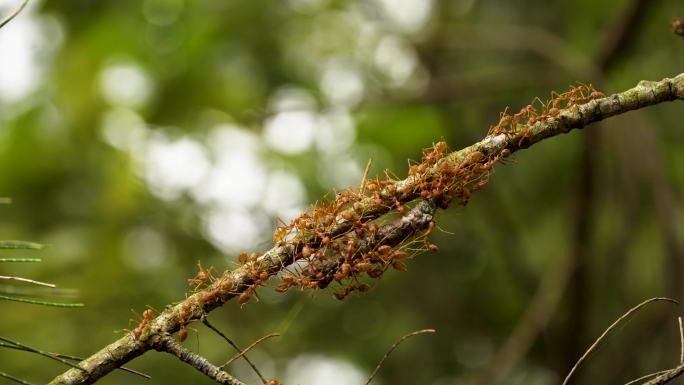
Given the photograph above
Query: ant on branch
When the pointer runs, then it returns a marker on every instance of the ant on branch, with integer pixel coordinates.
(147, 317)
(202, 277)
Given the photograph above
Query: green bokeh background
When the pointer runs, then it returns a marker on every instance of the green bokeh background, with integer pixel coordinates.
(210, 63)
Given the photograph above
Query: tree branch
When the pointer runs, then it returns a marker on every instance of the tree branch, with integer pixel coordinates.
(169, 345)
(243, 281)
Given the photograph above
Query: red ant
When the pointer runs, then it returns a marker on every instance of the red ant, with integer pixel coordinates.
(201, 277)
(398, 255)
(400, 207)
(182, 320)
(398, 265)
(246, 295)
(361, 288)
(148, 316)
(243, 258)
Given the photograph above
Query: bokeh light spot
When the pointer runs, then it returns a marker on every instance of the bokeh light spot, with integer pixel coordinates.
(342, 83)
(408, 15)
(174, 166)
(315, 369)
(126, 84)
(290, 132)
(284, 196)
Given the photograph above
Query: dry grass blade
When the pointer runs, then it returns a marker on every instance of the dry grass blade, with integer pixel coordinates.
(255, 343)
(394, 346)
(362, 187)
(212, 327)
(610, 328)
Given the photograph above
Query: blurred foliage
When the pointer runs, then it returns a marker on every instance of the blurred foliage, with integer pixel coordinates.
(140, 137)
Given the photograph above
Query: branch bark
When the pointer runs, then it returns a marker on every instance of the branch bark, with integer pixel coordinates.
(156, 333)
(169, 345)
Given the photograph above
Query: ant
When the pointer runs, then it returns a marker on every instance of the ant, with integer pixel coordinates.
(428, 233)
(183, 320)
(201, 277)
(361, 288)
(246, 295)
(307, 252)
(148, 316)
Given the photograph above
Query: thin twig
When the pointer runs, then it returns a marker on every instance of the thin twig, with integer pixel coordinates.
(610, 328)
(26, 280)
(647, 376)
(667, 376)
(169, 345)
(205, 321)
(14, 14)
(394, 346)
(681, 341)
(255, 343)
